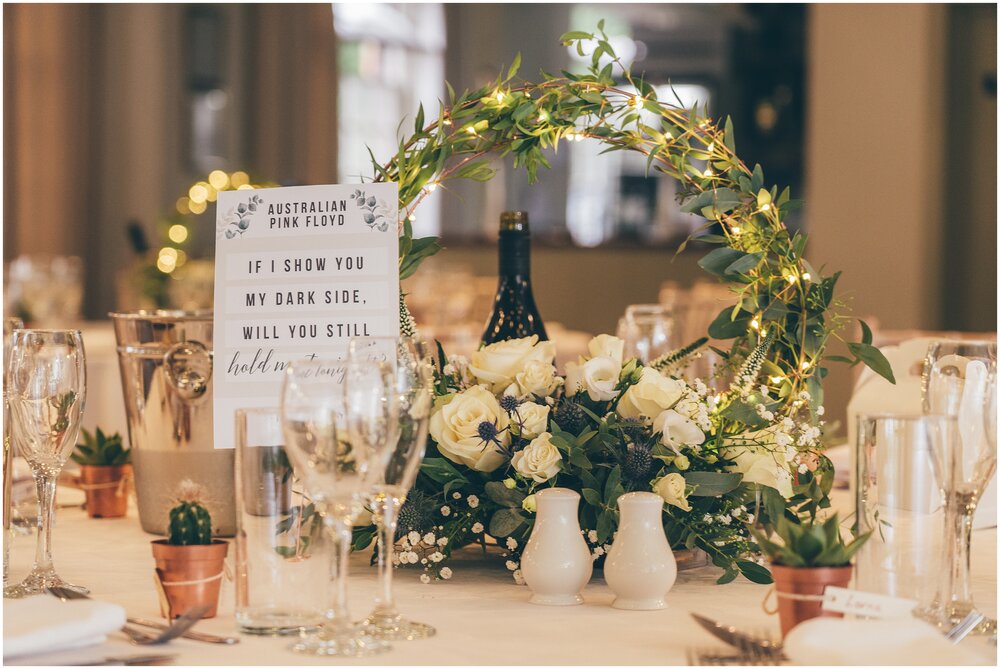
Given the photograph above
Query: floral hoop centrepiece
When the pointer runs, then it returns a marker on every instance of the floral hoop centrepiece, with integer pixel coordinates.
(505, 424)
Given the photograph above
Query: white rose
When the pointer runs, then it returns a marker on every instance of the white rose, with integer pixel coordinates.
(672, 488)
(540, 460)
(607, 346)
(756, 457)
(533, 419)
(597, 376)
(539, 378)
(455, 428)
(651, 395)
(497, 365)
(677, 431)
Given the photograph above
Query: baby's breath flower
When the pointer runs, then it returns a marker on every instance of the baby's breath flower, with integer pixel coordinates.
(429, 538)
(518, 577)
(446, 511)
(424, 578)
(511, 543)
(413, 537)
(436, 556)
(477, 528)
(473, 501)
(592, 535)
(511, 565)
(443, 541)
(445, 573)
(456, 495)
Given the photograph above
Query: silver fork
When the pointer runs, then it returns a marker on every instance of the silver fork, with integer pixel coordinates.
(138, 637)
(715, 657)
(964, 627)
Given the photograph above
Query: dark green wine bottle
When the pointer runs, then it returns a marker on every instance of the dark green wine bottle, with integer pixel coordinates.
(514, 312)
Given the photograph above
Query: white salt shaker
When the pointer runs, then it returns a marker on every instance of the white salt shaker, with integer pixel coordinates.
(640, 567)
(556, 563)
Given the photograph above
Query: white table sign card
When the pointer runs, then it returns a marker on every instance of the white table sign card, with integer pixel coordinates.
(298, 272)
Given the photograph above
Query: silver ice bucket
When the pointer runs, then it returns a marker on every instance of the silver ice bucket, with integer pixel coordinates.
(166, 365)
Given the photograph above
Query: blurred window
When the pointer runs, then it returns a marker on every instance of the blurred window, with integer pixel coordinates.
(391, 60)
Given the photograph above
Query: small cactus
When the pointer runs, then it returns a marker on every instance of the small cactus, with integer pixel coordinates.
(190, 522)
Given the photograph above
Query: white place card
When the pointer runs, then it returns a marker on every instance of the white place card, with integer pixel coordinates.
(866, 604)
(298, 272)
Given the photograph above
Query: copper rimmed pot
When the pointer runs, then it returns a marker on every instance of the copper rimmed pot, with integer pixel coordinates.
(165, 359)
(800, 592)
(106, 488)
(190, 575)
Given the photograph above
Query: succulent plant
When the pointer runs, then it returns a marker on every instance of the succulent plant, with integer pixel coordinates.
(190, 522)
(101, 450)
(810, 543)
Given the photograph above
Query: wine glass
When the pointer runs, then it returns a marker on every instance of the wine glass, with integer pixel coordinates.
(337, 420)
(959, 380)
(647, 330)
(411, 361)
(47, 388)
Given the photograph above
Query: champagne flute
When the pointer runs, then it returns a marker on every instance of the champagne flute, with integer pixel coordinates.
(9, 325)
(958, 380)
(47, 388)
(411, 361)
(336, 419)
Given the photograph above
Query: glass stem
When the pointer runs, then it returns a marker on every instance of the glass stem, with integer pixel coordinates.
(340, 533)
(45, 487)
(386, 511)
(958, 527)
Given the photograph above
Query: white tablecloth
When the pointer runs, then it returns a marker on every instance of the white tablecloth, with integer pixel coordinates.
(481, 616)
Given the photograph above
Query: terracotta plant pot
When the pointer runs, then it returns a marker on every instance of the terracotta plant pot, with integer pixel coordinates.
(106, 491)
(793, 583)
(196, 571)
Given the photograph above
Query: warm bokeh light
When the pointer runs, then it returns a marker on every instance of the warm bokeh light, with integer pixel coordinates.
(218, 179)
(198, 194)
(182, 205)
(239, 179)
(177, 233)
(244, 187)
(198, 207)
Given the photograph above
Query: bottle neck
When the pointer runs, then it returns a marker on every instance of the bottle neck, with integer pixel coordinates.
(515, 256)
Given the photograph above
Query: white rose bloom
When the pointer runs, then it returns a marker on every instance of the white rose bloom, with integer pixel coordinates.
(539, 378)
(597, 376)
(677, 431)
(756, 457)
(650, 396)
(455, 428)
(497, 365)
(672, 489)
(607, 346)
(534, 419)
(540, 460)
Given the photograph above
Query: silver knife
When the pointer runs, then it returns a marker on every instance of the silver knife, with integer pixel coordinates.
(126, 660)
(738, 639)
(190, 634)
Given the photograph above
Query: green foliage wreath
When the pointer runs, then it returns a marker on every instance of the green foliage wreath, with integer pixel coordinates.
(778, 291)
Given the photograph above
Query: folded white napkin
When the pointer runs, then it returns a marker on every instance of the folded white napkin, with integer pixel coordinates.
(46, 624)
(827, 641)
